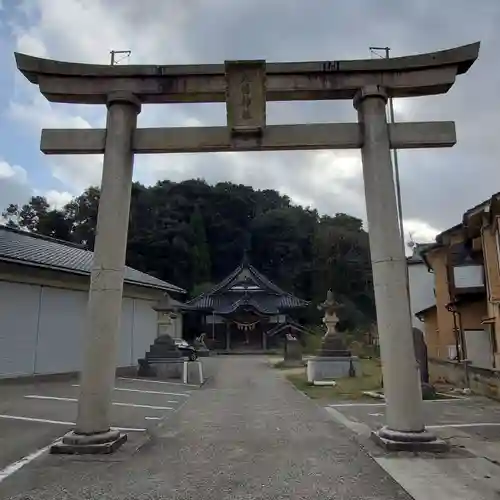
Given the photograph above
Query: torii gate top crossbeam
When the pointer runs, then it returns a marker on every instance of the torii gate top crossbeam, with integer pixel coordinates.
(410, 76)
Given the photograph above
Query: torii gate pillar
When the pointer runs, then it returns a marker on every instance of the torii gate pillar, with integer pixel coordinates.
(405, 424)
(106, 283)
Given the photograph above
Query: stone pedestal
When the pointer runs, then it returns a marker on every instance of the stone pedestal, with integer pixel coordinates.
(333, 346)
(201, 349)
(332, 367)
(163, 360)
(203, 352)
(75, 444)
(409, 441)
(167, 370)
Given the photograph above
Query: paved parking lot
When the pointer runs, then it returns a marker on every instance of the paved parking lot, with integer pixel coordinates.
(470, 469)
(475, 416)
(33, 415)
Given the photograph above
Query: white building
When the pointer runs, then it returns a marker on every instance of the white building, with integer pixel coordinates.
(421, 285)
(43, 297)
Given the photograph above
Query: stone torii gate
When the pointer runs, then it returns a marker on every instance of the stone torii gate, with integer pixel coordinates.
(245, 87)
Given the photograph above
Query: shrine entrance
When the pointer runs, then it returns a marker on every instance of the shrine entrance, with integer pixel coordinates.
(246, 87)
(246, 330)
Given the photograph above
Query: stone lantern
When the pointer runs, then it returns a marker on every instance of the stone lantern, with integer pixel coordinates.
(333, 360)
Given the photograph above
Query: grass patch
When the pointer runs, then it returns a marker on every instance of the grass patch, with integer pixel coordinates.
(441, 396)
(280, 365)
(346, 388)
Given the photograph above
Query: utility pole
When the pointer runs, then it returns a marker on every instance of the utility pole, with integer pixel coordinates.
(394, 151)
(114, 53)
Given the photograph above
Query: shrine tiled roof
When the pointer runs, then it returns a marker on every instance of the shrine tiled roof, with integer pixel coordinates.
(246, 287)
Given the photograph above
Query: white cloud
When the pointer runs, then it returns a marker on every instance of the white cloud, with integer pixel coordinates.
(103, 26)
(38, 113)
(29, 44)
(57, 199)
(177, 31)
(419, 231)
(13, 173)
(76, 171)
(14, 185)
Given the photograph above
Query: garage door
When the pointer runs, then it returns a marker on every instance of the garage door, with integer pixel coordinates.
(42, 329)
(60, 331)
(19, 305)
(126, 327)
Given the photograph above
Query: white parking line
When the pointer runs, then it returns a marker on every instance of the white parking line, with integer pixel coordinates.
(444, 426)
(32, 419)
(184, 394)
(355, 404)
(14, 467)
(339, 405)
(128, 429)
(60, 422)
(74, 400)
(153, 418)
(357, 427)
(158, 381)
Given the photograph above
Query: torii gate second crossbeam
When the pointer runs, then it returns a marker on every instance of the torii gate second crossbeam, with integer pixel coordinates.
(246, 87)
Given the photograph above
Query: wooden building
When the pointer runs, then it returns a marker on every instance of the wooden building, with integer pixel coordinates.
(246, 311)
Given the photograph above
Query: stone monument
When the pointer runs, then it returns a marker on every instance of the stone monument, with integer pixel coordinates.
(428, 391)
(292, 352)
(333, 360)
(163, 359)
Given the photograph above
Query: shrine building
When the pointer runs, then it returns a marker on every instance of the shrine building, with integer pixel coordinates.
(246, 311)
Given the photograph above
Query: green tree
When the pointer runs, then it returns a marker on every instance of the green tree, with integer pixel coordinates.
(303, 252)
(30, 215)
(37, 217)
(200, 250)
(341, 262)
(82, 212)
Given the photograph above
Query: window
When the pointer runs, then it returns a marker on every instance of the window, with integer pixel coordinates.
(469, 276)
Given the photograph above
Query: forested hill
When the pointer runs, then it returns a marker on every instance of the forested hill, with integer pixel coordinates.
(193, 234)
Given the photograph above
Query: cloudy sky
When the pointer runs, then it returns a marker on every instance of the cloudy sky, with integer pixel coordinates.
(437, 185)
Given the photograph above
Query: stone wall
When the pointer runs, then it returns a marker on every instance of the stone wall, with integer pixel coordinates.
(482, 381)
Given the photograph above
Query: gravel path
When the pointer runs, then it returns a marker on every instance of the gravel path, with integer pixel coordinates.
(247, 435)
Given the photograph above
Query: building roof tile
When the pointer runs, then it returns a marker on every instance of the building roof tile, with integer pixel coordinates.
(26, 248)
